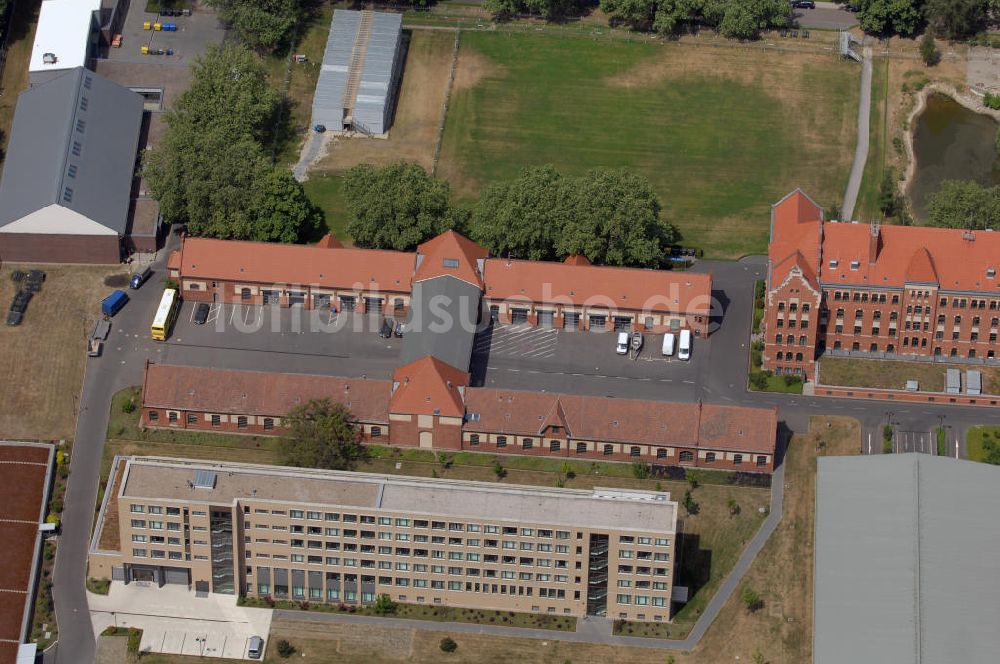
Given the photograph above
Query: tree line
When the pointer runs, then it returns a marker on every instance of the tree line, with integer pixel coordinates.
(964, 204)
(213, 171)
(611, 216)
(950, 19)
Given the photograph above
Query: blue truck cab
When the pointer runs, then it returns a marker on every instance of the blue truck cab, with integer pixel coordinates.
(113, 303)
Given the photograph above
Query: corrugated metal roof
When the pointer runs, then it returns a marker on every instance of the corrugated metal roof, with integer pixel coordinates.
(73, 143)
(374, 92)
(905, 570)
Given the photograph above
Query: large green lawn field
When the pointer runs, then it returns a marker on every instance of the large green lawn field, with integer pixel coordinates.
(722, 133)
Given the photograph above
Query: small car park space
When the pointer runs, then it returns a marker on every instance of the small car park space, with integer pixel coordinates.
(289, 330)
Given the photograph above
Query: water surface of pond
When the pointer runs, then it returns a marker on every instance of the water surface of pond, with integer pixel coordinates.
(950, 142)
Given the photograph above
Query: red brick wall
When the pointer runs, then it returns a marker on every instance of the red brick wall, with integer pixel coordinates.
(785, 314)
(229, 292)
(909, 397)
(162, 421)
(45, 248)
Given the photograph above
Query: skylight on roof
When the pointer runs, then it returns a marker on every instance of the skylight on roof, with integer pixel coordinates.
(450, 262)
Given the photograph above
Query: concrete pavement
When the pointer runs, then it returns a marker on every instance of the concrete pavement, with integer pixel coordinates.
(176, 621)
(861, 148)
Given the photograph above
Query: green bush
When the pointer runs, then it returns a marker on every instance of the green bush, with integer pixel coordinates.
(758, 380)
(991, 100)
(134, 638)
(384, 606)
(792, 379)
(929, 52)
(641, 470)
(285, 649)
(448, 644)
(128, 406)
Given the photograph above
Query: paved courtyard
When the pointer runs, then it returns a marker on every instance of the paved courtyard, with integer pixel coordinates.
(176, 621)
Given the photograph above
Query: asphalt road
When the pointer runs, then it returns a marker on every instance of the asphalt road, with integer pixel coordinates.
(826, 16)
(861, 148)
(575, 362)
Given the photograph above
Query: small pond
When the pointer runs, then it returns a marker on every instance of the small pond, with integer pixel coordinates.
(950, 142)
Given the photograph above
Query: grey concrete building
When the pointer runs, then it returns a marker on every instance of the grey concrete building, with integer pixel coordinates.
(906, 569)
(68, 174)
(359, 78)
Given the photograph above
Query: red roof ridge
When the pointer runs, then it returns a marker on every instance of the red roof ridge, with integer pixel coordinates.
(462, 253)
(921, 267)
(429, 386)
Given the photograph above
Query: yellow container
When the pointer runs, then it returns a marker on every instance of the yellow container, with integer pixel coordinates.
(147, 25)
(157, 26)
(144, 50)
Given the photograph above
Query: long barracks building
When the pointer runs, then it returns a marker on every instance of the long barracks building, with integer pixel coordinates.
(888, 292)
(325, 536)
(571, 295)
(428, 404)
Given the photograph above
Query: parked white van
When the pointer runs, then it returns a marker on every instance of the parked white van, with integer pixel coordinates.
(684, 347)
(621, 347)
(669, 341)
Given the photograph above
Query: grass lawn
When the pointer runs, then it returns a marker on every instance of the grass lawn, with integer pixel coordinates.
(327, 191)
(974, 441)
(436, 614)
(892, 374)
(42, 360)
(15, 70)
(721, 133)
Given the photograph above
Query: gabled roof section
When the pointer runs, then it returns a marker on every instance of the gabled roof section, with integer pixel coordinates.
(174, 260)
(796, 232)
(577, 259)
(428, 386)
(921, 268)
(73, 143)
(556, 418)
(451, 254)
(329, 242)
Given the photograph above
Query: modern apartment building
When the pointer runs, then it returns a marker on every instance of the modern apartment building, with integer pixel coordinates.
(887, 292)
(428, 404)
(325, 536)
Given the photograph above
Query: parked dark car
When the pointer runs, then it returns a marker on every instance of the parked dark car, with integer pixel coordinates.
(803, 4)
(201, 313)
(388, 325)
(400, 329)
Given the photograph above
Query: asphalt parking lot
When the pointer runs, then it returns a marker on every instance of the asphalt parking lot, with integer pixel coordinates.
(913, 441)
(193, 36)
(535, 358)
(824, 17)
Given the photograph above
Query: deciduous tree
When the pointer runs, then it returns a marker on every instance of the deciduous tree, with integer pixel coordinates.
(397, 206)
(322, 435)
(963, 204)
(954, 19)
(885, 17)
(260, 24)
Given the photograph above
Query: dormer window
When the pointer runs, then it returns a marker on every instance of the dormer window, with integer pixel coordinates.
(855, 265)
(834, 263)
(991, 273)
(450, 262)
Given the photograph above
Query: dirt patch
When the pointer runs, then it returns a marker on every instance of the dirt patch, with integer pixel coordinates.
(473, 67)
(109, 539)
(42, 359)
(413, 134)
(116, 280)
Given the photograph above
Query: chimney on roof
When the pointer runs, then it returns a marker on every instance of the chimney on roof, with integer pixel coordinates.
(874, 243)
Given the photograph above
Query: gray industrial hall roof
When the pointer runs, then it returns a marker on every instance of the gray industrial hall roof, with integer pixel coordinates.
(73, 143)
(328, 100)
(907, 565)
(442, 322)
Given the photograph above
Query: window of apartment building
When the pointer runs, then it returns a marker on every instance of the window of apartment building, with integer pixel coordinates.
(895, 298)
(609, 449)
(216, 420)
(139, 553)
(172, 416)
(661, 453)
(153, 416)
(474, 439)
(137, 508)
(241, 422)
(634, 451)
(554, 445)
(501, 441)
(802, 340)
(737, 459)
(761, 460)
(527, 443)
(376, 432)
(710, 457)
(687, 455)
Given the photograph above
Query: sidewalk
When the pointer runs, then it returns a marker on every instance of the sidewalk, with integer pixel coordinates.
(175, 621)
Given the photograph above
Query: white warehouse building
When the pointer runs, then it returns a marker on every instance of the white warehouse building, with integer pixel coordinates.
(359, 79)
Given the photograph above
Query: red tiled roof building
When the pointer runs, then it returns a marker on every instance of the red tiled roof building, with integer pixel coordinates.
(887, 292)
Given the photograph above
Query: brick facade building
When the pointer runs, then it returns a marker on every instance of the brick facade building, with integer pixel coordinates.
(886, 292)
(428, 404)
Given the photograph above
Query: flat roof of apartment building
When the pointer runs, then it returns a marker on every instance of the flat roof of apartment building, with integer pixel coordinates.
(220, 483)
